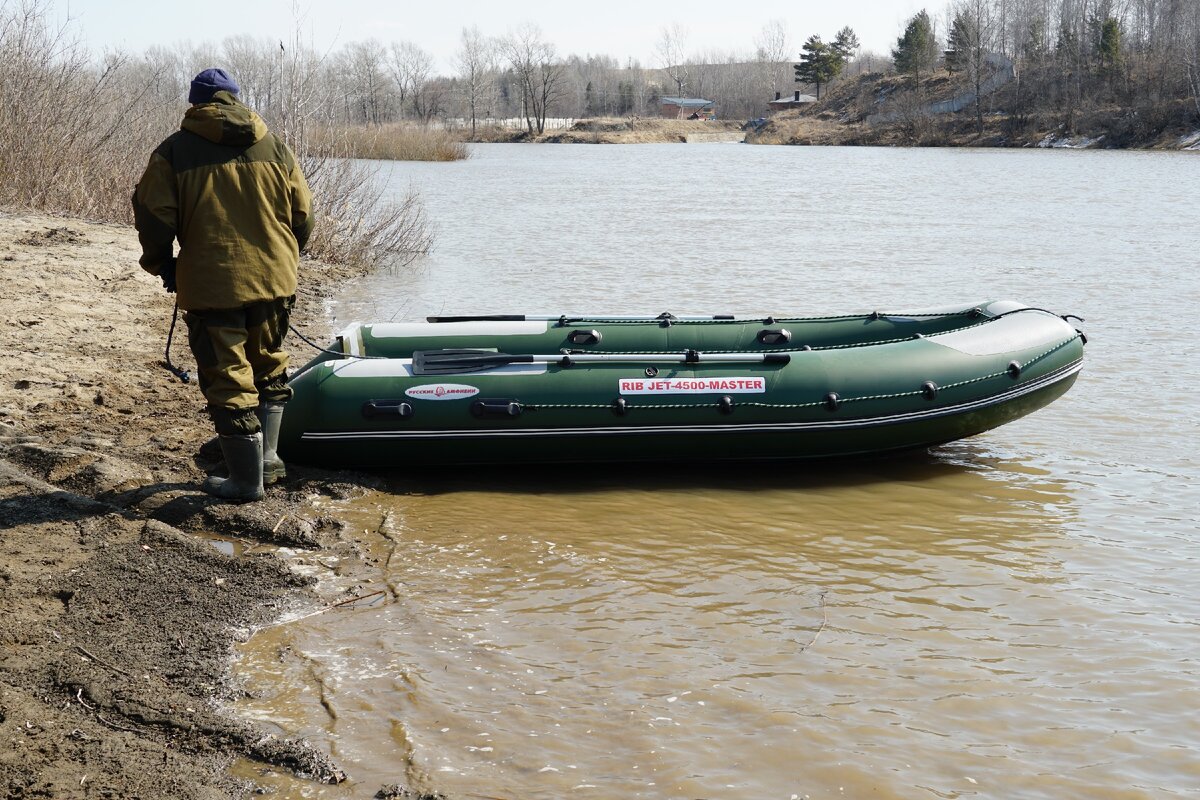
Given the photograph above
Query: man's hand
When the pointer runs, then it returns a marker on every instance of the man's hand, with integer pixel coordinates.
(167, 273)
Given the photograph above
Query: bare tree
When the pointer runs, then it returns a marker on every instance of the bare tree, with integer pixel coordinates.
(476, 64)
(971, 36)
(1191, 61)
(771, 49)
(163, 74)
(638, 86)
(672, 42)
(594, 86)
(364, 63)
(537, 71)
(253, 63)
(305, 87)
(1193, 73)
(412, 69)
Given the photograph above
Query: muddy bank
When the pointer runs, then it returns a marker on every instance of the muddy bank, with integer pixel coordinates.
(621, 130)
(118, 623)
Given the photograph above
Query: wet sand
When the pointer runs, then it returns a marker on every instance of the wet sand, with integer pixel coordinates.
(118, 621)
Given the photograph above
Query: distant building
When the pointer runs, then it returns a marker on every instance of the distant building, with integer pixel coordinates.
(795, 101)
(687, 108)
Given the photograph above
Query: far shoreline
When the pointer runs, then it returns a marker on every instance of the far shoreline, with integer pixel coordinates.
(801, 130)
(888, 110)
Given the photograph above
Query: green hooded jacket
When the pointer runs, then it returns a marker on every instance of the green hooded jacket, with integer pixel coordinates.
(233, 195)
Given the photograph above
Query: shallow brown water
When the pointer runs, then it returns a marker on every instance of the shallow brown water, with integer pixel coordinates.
(1011, 616)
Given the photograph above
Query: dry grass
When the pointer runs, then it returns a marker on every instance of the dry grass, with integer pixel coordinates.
(392, 142)
(638, 130)
(792, 127)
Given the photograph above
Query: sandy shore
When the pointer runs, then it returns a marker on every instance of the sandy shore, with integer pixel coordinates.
(118, 622)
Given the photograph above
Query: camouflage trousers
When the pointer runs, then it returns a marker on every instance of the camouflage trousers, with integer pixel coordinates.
(241, 362)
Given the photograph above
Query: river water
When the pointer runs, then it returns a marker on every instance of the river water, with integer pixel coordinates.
(1015, 615)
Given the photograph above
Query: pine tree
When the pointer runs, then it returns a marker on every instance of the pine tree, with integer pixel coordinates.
(1036, 45)
(1109, 48)
(845, 44)
(958, 46)
(589, 101)
(820, 63)
(917, 49)
(625, 97)
(815, 64)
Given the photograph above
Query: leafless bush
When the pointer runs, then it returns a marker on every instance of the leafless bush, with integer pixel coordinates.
(911, 109)
(359, 222)
(75, 134)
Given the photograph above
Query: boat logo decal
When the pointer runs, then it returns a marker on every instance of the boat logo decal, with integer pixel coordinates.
(726, 385)
(441, 391)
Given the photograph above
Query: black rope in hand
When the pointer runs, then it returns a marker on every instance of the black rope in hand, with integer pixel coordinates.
(183, 375)
(186, 377)
(320, 349)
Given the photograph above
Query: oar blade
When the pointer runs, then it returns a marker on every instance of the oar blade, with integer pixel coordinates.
(479, 318)
(452, 362)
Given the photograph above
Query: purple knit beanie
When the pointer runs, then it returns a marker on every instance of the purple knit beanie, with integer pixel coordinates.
(208, 82)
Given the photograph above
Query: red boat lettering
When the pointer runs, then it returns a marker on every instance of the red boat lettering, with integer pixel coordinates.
(737, 385)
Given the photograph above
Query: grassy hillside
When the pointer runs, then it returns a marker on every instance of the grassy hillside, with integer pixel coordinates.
(885, 109)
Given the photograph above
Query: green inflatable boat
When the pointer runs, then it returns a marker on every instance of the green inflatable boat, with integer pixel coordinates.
(507, 389)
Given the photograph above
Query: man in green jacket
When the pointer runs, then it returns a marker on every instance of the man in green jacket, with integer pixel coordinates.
(234, 197)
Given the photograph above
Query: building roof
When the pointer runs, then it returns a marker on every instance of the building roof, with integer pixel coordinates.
(687, 102)
(793, 101)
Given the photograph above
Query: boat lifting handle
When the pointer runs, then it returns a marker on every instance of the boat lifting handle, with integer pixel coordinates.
(492, 408)
(376, 409)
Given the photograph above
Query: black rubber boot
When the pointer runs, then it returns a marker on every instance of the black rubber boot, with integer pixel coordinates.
(270, 417)
(244, 458)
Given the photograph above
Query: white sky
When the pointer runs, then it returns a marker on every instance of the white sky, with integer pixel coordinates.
(619, 28)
